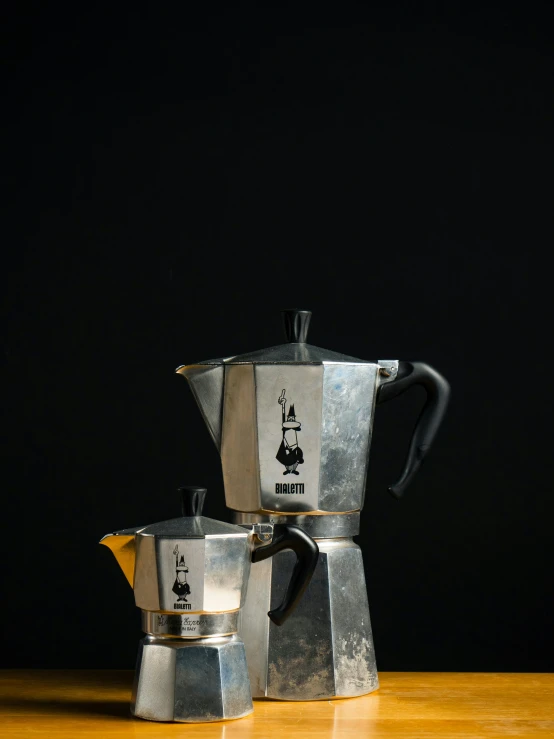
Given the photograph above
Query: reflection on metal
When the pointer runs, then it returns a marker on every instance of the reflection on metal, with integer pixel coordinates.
(227, 568)
(190, 579)
(253, 627)
(325, 649)
(318, 527)
(191, 681)
(189, 626)
(239, 440)
(296, 427)
(122, 545)
(206, 384)
(388, 369)
(147, 589)
(281, 389)
(216, 557)
(348, 400)
(243, 400)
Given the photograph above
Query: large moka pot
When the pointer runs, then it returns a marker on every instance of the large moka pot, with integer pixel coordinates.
(293, 425)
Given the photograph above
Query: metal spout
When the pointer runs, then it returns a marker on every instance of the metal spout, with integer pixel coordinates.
(122, 544)
(206, 383)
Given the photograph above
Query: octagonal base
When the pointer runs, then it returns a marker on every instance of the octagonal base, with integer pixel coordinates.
(325, 649)
(191, 681)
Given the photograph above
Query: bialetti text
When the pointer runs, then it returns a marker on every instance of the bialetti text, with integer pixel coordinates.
(289, 488)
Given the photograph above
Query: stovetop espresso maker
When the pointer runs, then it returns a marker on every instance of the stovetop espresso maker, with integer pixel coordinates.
(189, 576)
(293, 425)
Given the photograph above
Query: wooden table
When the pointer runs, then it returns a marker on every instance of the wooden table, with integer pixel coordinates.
(78, 703)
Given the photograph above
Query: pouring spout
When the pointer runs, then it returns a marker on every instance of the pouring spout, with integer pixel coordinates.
(122, 545)
(206, 382)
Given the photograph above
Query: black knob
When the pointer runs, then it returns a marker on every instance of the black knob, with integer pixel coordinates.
(296, 323)
(192, 500)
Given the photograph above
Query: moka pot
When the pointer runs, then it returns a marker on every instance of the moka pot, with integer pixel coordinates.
(293, 425)
(190, 577)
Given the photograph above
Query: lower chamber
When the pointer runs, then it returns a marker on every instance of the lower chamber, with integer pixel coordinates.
(191, 680)
(325, 648)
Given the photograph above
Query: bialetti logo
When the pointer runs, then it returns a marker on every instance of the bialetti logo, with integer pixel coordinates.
(289, 454)
(181, 587)
(289, 488)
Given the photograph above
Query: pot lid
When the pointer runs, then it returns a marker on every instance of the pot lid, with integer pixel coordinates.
(296, 323)
(192, 525)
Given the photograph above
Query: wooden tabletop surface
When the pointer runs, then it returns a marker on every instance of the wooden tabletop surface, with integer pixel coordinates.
(78, 703)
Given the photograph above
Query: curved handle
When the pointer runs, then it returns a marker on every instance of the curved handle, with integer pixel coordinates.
(438, 395)
(307, 553)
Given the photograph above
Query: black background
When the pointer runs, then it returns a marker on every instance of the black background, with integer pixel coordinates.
(176, 179)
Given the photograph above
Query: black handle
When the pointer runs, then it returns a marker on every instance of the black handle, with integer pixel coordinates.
(296, 324)
(307, 553)
(192, 500)
(438, 395)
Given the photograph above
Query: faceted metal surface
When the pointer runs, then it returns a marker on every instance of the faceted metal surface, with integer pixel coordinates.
(215, 567)
(325, 649)
(254, 627)
(292, 399)
(190, 527)
(191, 681)
(227, 569)
(239, 456)
(147, 556)
(207, 389)
(192, 564)
(290, 353)
(146, 587)
(348, 404)
(302, 388)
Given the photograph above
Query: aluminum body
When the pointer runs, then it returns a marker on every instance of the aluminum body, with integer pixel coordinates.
(189, 577)
(261, 409)
(216, 557)
(293, 424)
(325, 649)
(247, 401)
(191, 681)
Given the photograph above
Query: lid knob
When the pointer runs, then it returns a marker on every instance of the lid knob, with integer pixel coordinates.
(192, 500)
(296, 323)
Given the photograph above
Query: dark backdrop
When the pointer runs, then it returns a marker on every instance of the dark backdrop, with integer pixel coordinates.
(176, 180)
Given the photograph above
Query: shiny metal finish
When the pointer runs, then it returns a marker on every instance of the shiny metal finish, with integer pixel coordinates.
(190, 576)
(239, 456)
(207, 389)
(191, 681)
(347, 419)
(122, 545)
(325, 649)
(297, 402)
(300, 387)
(215, 557)
(327, 525)
(388, 369)
(227, 569)
(190, 626)
(295, 423)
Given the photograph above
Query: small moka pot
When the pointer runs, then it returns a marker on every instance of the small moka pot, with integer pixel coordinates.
(189, 576)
